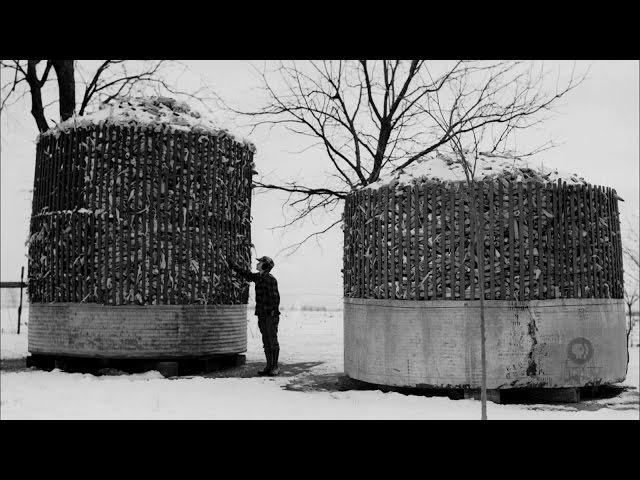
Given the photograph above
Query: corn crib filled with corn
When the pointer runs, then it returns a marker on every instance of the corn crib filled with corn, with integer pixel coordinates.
(551, 256)
(131, 230)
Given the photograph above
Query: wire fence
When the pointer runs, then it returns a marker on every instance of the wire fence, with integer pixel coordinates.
(10, 310)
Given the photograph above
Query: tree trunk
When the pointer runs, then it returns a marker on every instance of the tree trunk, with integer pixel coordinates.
(483, 337)
(66, 87)
(629, 328)
(37, 109)
(477, 219)
(383, 140)
(628, 334)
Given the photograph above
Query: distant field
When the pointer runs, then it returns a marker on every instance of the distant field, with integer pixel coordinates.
(9, 302)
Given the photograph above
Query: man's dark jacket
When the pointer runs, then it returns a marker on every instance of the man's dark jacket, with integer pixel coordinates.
(267, 295)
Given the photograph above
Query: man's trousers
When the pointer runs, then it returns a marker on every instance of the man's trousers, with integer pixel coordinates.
(268, 326)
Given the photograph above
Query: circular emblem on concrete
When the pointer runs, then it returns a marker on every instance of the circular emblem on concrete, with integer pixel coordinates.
(580, 350)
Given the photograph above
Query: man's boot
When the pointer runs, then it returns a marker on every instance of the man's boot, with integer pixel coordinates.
(268, 354)
(274, 362)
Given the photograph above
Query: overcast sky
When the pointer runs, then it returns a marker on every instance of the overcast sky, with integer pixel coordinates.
(596, 126)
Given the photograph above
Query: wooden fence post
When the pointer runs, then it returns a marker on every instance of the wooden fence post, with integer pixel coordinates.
(20, 307)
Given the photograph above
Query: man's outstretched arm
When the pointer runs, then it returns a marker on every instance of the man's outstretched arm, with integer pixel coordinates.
(243, 273)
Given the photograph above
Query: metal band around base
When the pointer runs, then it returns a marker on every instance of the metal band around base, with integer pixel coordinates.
(129, 331)
(541, 343)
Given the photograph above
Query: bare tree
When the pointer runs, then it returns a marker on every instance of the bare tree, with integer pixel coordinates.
(469, 168)
(631, 251)
(630, 298)
(372, 118)
(631, 247)
(83, 83)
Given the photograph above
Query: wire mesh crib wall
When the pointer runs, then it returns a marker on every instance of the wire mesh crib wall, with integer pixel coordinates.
(533, 241)
(139, 215)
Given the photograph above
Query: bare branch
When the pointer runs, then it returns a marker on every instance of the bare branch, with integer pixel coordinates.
(299, 189)
(91, 87)
(373, 118)
(291, 249)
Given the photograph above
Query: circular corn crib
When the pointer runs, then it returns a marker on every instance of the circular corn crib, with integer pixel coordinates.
(552, 261)
(131, 230)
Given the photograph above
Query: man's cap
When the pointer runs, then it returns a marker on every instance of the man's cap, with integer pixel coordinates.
(268, 262)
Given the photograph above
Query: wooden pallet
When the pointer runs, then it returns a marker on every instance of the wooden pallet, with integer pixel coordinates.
(528, 395)
(547, 395)
(502, 396)
(109, 366)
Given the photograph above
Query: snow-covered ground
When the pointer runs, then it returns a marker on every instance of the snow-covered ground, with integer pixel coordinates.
(311, 346)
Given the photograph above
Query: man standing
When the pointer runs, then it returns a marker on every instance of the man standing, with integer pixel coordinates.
(267, 310)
